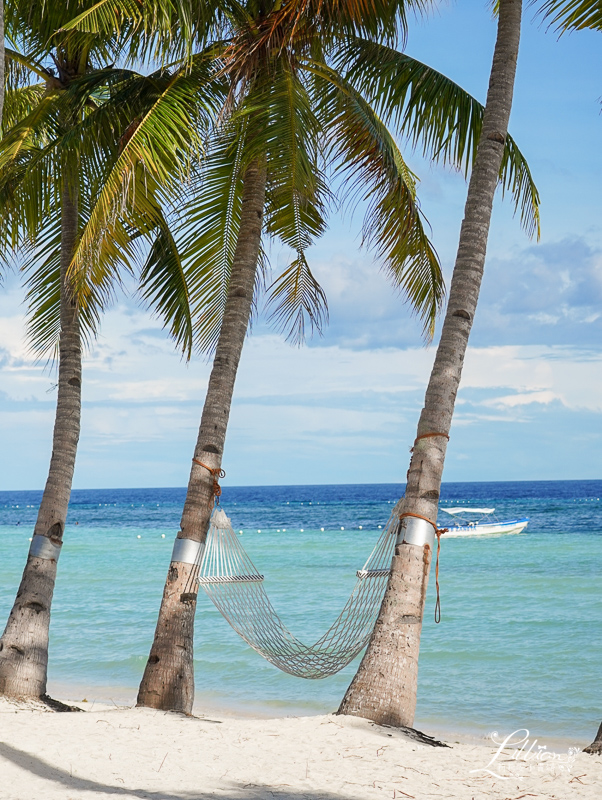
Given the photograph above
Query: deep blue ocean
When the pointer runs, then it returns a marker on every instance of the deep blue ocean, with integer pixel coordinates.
(519, 644)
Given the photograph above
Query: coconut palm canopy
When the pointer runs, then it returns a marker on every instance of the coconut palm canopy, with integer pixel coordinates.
(68, 107)
(310, 88)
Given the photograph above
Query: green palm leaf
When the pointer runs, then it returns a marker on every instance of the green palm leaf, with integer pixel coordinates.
(19, 103)
(209, 221)
(295, 202)
(577, 15)
(159, 145)
(375, 173)
(164, 287)
(435, 114)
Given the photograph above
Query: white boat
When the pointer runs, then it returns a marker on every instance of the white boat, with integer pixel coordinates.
(467, 525)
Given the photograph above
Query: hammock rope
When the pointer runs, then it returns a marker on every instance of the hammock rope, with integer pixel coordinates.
(231, 580)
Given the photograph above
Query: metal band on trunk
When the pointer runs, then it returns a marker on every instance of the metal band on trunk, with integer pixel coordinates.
(187, 551)
(42, 547)
(416, 531)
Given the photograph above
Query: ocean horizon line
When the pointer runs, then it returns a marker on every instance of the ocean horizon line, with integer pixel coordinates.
(226, 486)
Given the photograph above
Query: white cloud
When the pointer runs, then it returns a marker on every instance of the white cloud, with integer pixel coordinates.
(514, 400)
(323, 413)
(570, 375)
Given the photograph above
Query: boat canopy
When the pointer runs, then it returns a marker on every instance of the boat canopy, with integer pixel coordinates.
(468, 510)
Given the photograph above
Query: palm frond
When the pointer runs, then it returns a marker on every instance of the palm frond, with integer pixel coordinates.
(109, 16)
(375, 173)
(19, 67)
(295, 201)
(434, 113)
(38, 126)
(164, 287)
(516, 178)
(150, 30)
(41, 268)
(297, 296)
(158, 146)
(573, 15)
(209, 230)
(19, 103)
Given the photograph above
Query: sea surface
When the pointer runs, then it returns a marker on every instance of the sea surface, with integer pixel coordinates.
(520, 639)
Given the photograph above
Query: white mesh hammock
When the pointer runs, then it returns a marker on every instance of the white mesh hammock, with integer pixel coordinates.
(235, 586)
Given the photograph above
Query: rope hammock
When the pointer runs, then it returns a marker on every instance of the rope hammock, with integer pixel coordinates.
(235, 586)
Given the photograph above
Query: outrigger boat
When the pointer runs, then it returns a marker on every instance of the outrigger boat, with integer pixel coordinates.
(485, 524)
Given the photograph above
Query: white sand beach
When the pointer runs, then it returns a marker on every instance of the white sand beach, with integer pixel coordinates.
(141, 753)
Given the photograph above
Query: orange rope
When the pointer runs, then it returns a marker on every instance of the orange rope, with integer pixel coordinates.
(215, 473)
(438, 534)
(427, 435)
(418, 516)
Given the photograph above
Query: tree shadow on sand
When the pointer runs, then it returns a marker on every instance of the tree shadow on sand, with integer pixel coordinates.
(42, 769)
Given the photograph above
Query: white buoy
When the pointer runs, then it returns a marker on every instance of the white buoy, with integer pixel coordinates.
(139, 537)
(321, 529)
(302, 530)
(360, 527)
(163, 536)
(258, 531)
(342, 529)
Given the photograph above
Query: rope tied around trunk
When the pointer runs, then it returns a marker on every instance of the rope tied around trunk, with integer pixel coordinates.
(216, 473)
(428, 436)
(438, 533)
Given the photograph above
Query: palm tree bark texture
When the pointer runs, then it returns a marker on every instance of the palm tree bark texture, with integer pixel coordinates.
(385, 686)
(168, 680)
(24, 644)
(595, 748)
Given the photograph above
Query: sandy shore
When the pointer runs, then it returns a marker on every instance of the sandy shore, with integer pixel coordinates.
(140, 753)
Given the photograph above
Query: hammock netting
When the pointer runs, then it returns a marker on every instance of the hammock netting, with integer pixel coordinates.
(235, 586)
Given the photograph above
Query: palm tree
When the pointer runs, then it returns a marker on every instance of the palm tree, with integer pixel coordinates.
(384, 687)
(63, 136)
(24, 644)
(291, 115)
(265, 171)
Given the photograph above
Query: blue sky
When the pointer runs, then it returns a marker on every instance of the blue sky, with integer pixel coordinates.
(344, 408)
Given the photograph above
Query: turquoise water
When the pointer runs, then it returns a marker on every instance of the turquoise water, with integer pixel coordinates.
(519, 644)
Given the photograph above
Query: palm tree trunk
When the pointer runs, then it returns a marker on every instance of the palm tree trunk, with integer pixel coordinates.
(384, 688)
(595, 748)
(168, 680)
(1, 60)
(24, 644)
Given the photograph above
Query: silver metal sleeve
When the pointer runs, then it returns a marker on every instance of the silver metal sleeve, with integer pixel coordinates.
(187, 551)
(416, 531)
(42, 547)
